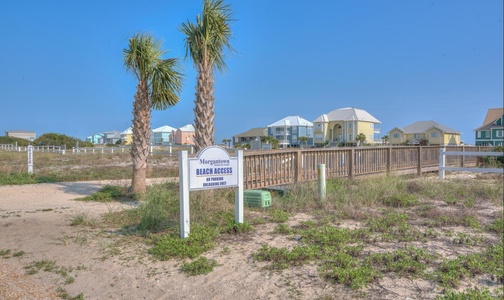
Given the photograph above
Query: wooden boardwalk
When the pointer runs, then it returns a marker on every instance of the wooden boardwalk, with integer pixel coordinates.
(283, 167)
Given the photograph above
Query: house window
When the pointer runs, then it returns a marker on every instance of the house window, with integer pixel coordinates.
(395, 135)
(499, 133)
(318, 138)
(370, 137)
(308, 132)
(376, 126)
(371, 125)
(434, 134)
(479, 134)
(294, 130)
(350, 125)
(318, 126)
(350, 137)
(279, 129)
(416, 136)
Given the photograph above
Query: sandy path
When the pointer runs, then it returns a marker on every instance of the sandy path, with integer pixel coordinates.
(36, 219)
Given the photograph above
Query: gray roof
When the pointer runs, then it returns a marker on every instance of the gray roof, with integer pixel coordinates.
(423, 126)
(291, 121)
(347, 114)
(490, 125)
(253, 132)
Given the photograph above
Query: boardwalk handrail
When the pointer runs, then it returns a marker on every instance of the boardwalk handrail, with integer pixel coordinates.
(443, 168)
(264, 168)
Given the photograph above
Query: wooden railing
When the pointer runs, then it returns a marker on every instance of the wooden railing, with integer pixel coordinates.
(282, 167)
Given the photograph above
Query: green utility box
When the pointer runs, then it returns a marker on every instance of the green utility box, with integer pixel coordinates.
(257, 198)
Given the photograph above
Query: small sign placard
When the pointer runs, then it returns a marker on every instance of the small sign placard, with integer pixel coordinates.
(213, 168)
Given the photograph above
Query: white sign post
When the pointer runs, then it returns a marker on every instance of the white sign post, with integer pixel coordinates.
(212, 168)
(30, 159)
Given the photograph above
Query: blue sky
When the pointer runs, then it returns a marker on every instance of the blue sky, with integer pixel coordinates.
(402, 61)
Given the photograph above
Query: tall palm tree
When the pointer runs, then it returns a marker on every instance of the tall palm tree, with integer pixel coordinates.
(159, 84)
(205, 42)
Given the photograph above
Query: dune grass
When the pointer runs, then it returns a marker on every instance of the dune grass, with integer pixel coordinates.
(395, 211)
(54, 167)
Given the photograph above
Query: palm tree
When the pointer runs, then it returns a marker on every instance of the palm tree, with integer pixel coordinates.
(303, 140)
(360, 138)
(205, 42)
(159, 84)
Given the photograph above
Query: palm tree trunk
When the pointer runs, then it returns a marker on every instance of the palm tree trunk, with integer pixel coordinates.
(141, 134)
(204, 108)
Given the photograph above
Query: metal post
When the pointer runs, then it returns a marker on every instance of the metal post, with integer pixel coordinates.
(30, 159)
(239, 189)
(184, 194)
(322, 181)
(441, 163)
(170, 147)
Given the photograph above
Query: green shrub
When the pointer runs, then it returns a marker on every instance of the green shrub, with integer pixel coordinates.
(200, 266)
(278, 216)
(348, 271)
(282, 258)
(407, 261)
(496, 226)
(400, 200)
(469, 294)
(106, 194)
(199, 240)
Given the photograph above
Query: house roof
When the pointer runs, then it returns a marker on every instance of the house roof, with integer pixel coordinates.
(291, 121)
(127, 131)
(423, 126)
(260, 131)
(492, 115)
(164, 128)
(188, 127)
(490, 125)
(347, 114)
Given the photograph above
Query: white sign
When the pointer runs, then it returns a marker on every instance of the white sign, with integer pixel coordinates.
(213, 168)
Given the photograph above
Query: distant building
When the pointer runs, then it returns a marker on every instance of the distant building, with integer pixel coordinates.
(162, 135)
(342, 126)
(95, 139)
(249, 135)
(22, 134)
(289, 129)
(491, 133)
(127, 136)
(108, 137)
(111, 137)
(424, 133)
(184, 135)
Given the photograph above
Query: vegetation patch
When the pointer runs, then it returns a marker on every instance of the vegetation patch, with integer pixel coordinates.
(451, 272)
(106, 194)
(200, 239)
(200, 266)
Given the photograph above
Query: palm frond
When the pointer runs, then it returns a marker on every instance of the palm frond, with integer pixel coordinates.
(166, 84)
(207, 39)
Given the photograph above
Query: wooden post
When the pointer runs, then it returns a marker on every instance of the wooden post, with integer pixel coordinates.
(462, 163)
(419, 159)
(297, 175)
(389, 160)
(351, 164)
